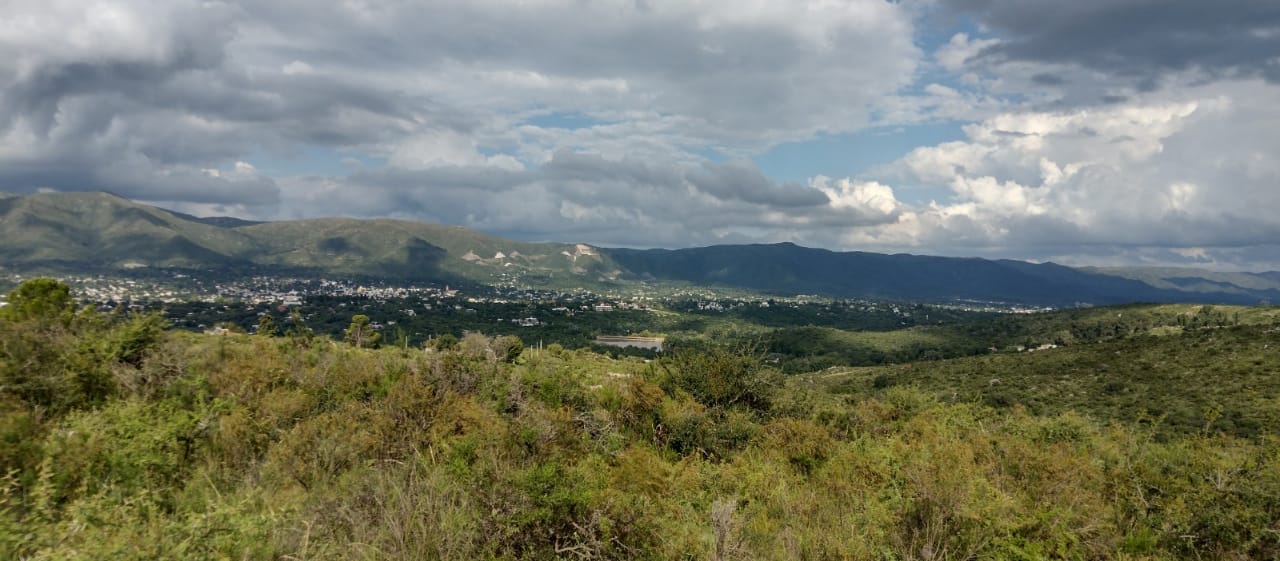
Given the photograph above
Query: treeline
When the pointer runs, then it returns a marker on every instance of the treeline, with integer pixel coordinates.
(330, 316)
(576, 328)
(1220, 379)
(811, 348)
(171, 445)
(855, 315)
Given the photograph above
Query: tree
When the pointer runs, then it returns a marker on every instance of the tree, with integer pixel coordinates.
(43, 299)
(508, 348)
(722, 377)
(134, 339)
(298, 332)
(56, 357)
(445, 342)
(267, 326)
(361, 334)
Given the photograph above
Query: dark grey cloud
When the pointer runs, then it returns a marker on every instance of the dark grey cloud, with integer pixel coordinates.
(1046, 79)
(724, 68)
(141, 182)
(433, 108)
(743, 181)
(566, 166)
(1140, 40)
(136, 91)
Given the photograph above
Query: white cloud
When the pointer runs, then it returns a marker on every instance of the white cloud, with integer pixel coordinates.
(1177, 169)
(956, 53)
(167, 86)
(297, 67)
(439, 148)
(635, 122)
(862, 196)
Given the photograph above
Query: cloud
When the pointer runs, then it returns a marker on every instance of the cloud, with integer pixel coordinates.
(1140, 126)
(1185, 170)
(1137, 40)
(725, 68)
(135, 91)
(587, 197)
(741, 180)
(445, 148)
(105, 47)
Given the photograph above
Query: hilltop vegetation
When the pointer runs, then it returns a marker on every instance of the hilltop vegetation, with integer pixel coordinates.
(1217, 380)
(122, 441)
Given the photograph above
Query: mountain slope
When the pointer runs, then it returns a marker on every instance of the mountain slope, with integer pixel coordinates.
(103, 230)
(790, 268)
(80, 231)
(99, 231)
(1259, 285)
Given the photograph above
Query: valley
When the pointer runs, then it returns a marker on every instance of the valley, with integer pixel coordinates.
(384, 390)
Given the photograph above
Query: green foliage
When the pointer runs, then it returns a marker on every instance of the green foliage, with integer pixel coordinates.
(444, 342)
(238, 447)
(56, 357)
(1220, 379)
(297, 331)
(135, 337)
(43, 300)
(508, 348)
(125, 447)
(721, 377)
(267, 326)
(361, 334)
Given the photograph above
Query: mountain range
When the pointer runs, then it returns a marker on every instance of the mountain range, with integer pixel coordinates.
(82, 232)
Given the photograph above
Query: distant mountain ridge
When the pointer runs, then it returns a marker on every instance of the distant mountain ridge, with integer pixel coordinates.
(788, 267)
(219, 221)
(97, 231)
(1194, 280)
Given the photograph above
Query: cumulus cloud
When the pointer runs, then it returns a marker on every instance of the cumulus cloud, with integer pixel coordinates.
(136, 91)
(1139, 126)
(1190, 172)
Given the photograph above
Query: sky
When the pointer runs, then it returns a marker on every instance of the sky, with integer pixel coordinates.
(1089, 132)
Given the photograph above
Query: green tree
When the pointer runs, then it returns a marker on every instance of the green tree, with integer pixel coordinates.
(137, 337)
(54, 357)
(444, 342)
(508, 348)
(267, 326)
(361, 334)
(722, 377)
(298, 330)
(44, 299)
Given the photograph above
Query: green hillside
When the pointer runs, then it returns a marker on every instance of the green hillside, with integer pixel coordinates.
(119, 440)
(416, 250)
(1217, 379)
(792, 269)
(103, 230)
(80, 231)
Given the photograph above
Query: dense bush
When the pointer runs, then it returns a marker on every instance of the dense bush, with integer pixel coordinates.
(239, 447)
